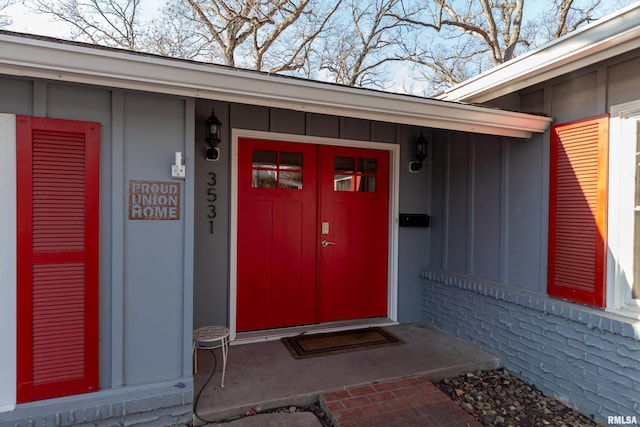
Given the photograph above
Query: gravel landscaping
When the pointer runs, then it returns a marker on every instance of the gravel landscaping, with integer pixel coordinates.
(497, 398)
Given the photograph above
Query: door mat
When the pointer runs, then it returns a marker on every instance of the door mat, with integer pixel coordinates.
(325, 344)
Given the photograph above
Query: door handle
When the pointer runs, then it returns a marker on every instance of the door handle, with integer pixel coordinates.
(326, 243)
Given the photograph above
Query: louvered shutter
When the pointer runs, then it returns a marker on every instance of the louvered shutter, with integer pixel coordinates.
(577, 211)
(57, 202)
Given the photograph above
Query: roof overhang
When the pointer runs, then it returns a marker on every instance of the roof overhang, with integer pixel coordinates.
(36, 57)
(605, 38)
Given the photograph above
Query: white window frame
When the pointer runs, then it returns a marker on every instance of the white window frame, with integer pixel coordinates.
(624, 119)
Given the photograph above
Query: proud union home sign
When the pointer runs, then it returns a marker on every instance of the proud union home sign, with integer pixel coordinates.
(154, 200)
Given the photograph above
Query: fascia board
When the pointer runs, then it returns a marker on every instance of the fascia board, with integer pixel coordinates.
(23, 56)
(604, 39)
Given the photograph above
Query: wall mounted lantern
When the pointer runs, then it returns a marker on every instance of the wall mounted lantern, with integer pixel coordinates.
(212, 128)
(421, 154)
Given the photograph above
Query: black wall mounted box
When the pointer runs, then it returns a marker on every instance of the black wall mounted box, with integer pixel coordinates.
(414, 220)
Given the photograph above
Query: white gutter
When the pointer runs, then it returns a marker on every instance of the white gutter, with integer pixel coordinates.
(605, 38)
(55, 60)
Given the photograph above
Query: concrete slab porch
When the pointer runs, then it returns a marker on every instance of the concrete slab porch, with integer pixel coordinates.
(264, 375)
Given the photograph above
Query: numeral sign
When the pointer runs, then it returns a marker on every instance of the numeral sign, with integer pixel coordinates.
(211, 199)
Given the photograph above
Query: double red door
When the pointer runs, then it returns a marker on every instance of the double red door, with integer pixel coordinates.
(312, 234)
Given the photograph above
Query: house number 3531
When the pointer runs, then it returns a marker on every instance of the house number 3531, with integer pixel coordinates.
(211, 199)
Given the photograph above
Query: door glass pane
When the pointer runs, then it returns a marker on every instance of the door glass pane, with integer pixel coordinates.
(264, 178)
(368, 166)
(344, 164)
(272, 169)
(349, 178)
(291, 180)
(367, 184)
(343, 182)
(265, 159)
(290, 160)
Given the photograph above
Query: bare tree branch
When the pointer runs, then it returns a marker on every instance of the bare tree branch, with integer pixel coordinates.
(298, 57)
(498, 25)
(175, 34)
(104, 22)
(269, 24)
(5, 19)
(354, 57)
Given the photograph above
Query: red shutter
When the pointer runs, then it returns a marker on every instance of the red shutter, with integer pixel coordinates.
(57, 202)
(577, 211)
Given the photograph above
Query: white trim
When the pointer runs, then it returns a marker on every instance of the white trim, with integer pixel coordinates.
(276, 334)
(28, 57)
(8, 277)
(620, 241)
(394, 206)
(603, 39)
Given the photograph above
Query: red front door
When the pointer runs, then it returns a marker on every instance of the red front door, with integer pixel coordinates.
(312, 234)
(352, 269)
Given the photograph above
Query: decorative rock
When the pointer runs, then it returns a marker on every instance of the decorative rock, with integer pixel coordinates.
(467, 407)
(497, 398)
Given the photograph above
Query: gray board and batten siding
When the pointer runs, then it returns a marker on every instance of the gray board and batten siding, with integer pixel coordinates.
(145, 303)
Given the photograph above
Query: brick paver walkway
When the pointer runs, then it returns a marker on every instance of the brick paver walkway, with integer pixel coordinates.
(408, 402)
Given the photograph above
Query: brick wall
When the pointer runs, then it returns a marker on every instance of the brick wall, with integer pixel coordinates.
(164, 404)
(587, 358)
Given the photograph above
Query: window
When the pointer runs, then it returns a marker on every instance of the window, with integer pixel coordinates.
(355, 174)
(623, 272)
(578, 211)
(275, 169)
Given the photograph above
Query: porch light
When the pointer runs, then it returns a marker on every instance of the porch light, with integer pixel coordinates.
(212, 128)
(421, 154)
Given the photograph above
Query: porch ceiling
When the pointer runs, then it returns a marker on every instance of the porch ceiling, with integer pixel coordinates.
(39, 57)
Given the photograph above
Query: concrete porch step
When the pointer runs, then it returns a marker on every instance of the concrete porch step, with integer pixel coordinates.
(264, 375)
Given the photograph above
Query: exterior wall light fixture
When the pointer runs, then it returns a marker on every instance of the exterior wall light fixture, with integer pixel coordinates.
(421, 154)
(212, 128)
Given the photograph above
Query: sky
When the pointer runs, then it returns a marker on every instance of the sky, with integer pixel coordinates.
(27, 22)
(30, 23)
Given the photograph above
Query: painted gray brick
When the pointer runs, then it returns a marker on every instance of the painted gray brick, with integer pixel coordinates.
(535, 330)
(618, 380)
(568, 351)
(578, 343)
(552, 339)
(568, 331)
(604, 405)
(623, 402)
